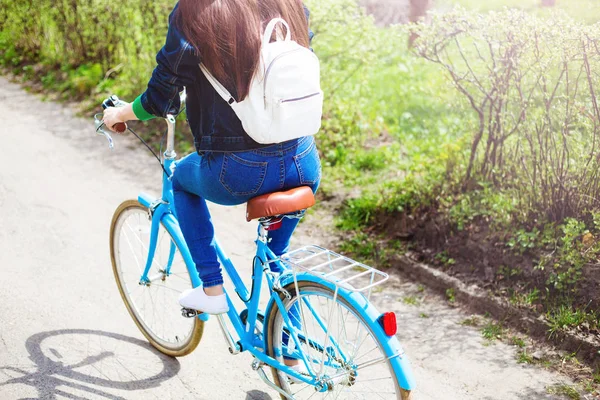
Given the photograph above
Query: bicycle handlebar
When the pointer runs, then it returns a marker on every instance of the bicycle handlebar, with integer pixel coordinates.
(114, 101)
(120, 127)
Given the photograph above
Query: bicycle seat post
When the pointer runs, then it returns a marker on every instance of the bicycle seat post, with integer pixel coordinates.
(262, 233)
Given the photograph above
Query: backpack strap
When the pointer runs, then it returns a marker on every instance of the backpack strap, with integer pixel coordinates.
(217, 85)
(271, 27)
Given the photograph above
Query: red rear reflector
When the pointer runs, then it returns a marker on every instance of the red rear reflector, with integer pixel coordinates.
(388, 322)
(274, 226)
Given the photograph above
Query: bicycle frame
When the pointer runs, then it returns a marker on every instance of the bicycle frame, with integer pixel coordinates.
(160, 212)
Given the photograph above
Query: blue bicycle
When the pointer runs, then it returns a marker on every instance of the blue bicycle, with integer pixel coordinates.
(317, 311)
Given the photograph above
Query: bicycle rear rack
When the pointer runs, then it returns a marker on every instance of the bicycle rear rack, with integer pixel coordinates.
(335, 268)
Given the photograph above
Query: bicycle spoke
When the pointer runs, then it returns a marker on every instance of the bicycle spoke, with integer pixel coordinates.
(359, 328)
(358, 358)
(327, 330)
(141, 243)
(374, 362)
(306, 386)
(146, 249)
(166, 287)
(333, 338)
(133, 252)
(183, 278)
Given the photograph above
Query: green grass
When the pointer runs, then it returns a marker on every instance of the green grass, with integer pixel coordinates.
(362, 246)
(565, 317)
(411, 300)
(444, 259)
(358, 213)
(517, 341)
(367, 249)
(523, 357)
(526, 299)
(565, 390)
(471, 321)
(492, 331)
(450, 295)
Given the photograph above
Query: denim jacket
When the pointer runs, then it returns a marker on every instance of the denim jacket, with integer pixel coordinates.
(213, 122)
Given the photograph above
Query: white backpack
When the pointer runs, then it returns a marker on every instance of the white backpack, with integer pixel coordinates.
(285, 100)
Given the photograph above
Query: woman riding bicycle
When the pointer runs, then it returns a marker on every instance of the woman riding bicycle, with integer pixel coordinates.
(228, 167)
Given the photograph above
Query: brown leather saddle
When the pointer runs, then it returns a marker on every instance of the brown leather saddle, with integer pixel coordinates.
(280, 203)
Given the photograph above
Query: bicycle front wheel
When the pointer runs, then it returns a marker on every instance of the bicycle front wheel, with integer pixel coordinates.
(152, 303)
(341, 347)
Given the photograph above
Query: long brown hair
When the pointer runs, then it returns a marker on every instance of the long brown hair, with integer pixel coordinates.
(227, 34)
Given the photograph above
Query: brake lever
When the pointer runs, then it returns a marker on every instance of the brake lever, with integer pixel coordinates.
(100, 130)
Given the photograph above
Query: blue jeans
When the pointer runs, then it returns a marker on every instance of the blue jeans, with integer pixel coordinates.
(234, 178)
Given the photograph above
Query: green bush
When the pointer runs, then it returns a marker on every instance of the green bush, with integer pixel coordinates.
(529, 82)
(85, 47)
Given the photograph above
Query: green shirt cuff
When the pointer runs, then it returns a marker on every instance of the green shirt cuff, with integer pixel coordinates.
(139, 110)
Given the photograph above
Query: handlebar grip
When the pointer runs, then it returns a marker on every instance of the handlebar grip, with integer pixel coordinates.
(113, 101)
(120, 127)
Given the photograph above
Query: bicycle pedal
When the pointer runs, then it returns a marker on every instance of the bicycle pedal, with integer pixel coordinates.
(189, 313)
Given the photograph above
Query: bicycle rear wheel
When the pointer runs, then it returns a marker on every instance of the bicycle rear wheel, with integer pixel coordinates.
(339, 344)
(153, 304)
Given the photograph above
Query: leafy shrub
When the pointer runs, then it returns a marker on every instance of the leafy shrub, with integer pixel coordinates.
(345, 41)
(496, 207)
(529, 82)
(573, 257)
(91, 41)
(524, 240)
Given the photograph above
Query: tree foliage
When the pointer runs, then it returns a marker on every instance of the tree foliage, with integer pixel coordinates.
(84, 46)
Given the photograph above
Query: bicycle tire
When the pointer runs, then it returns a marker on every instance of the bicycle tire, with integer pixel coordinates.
(274, 323)
(191, 341)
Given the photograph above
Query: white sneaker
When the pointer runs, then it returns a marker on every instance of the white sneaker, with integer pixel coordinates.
(196, 299)
(301, 369)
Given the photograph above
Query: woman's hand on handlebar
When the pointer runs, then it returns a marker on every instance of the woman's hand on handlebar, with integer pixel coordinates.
(114, 117)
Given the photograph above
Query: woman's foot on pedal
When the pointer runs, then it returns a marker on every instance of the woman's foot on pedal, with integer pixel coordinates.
(197, 299)
(298, 367)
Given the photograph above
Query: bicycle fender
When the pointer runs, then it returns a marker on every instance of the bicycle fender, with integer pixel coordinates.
(391, 345)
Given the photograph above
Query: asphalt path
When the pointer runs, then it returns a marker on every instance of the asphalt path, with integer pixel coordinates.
(64, 332)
